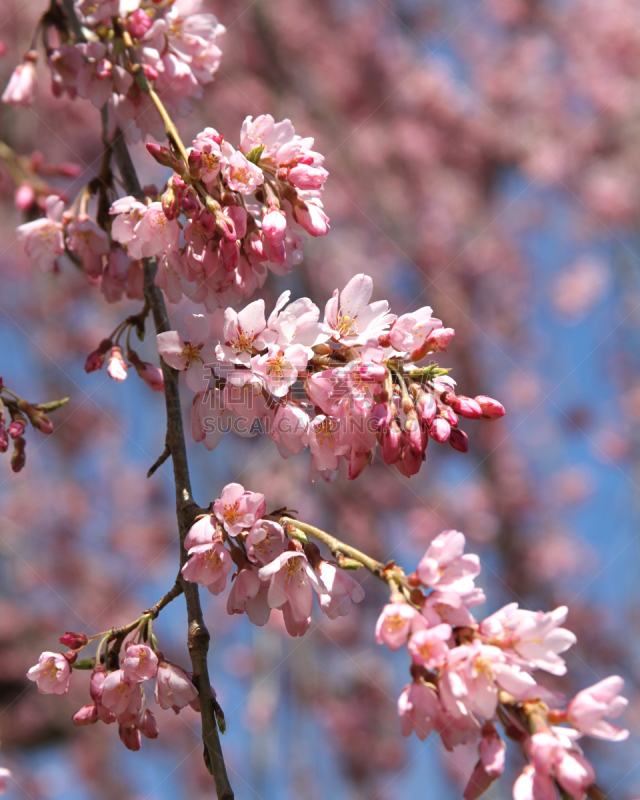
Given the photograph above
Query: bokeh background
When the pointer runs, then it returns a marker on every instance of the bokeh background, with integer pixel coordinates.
(484, 159)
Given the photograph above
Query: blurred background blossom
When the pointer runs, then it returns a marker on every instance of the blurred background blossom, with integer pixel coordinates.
(484, 160)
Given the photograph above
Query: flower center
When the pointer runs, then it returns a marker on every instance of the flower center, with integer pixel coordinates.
(394, 621)
(346, 325)
(190, 353)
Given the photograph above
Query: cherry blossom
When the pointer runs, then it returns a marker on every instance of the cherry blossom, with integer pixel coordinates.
(194, 355)
(52, 673)
(174, 688)
(43, 238)
(209, 566)
(588, 708)
(140, 662)
(237, 509)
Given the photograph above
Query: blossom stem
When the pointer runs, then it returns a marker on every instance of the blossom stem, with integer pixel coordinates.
(389, 574)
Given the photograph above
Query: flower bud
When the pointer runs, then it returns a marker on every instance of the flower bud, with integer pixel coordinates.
(391, 443)
(165, 157)
(103, 69)
(130, 737)
(71, 656)
(358, 462)
(465, 406)
(440, 430)
(312, 218)
(426, 407)
(413, 431)
(24, 197)
(274, 226)
(170, 206)
(150, 72)
(440, 338)
(149, 727)
(491, 409)
(189, 205)
(149, 373)
(116, 367)
(16, 428)
(95, 360)
(138, 23)
(18, 457)
(459, 440)
(380, 417)
(73, 640)
(87, 715)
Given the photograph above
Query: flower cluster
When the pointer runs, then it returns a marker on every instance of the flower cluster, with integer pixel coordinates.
(16, 414)
(273, 569)
(338, 386)
(117, 695)
(245, 212)
(77, 235)
(468, 675)
(175, 46)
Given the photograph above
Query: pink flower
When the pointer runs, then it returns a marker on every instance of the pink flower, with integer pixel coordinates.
(297, 321)
(473, 676)
(203, 531)
(534, 636)
(140, 662)
(96, 689)
(292, 582)
(290, 430)
(89, 242)
(444, 566)
(533, 785)
(21, 89)
(324, 443)
(43, 238)
(52, 673)
(241, 175)
(194, 355)
(123, 696)
(588, 708)
(208, 565)
(116, 366)
(144, 229)
(342, 590)
(418, 709)
(265, 542)
(396, 622)
(279, 369)
(237, 509)
(352, 318)
(243, 334)
(556, 755)
(130, 737)
(410, 330)
(174, 689)
(429, 647)
(249, 593)
(207, 144)
(440, 339)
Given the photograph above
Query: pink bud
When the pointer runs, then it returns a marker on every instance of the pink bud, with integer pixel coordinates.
(312, 218)
(391, 444)
(87, 715)
(380, 416)
(189, 205)
(195, 164)
(226, 227)
(116, 367)
(16, 428)
(491, 409)
(149, 373)
(151, 73)
(358, 462)
(440, 430)
(73, 640)
(411, 461)
(170, 205)
(4, 440)
(149, 727)
(274, 226)
(130, 737)
(465, 406)
(24, 197)
(306, 177)
(18, 457)
(138, 23)
(95, 360)
(165, 157)
(459, 440)
(426, 407)
(413, 432)
(229, 255)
